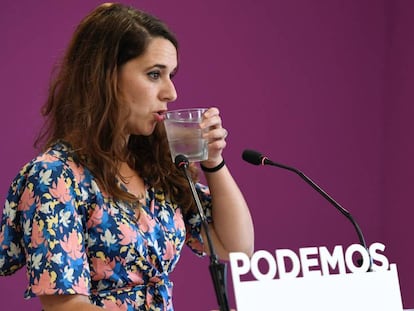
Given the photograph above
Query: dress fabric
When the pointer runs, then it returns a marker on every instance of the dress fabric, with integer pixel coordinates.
(75, 239)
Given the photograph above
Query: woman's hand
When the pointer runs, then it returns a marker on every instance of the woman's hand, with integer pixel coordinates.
(232, 226)
(215, 134)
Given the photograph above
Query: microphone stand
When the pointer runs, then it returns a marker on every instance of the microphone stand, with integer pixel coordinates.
(256, 158)
(217, 269)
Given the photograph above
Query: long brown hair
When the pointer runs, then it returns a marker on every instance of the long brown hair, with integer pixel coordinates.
(82, 107)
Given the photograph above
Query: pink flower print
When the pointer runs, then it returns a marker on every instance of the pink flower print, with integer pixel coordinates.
(72, 245)
(127, 235)
(146, 223)
(45, 285)
(78, 171)
(135, 277)
(81, 286)
(37, 234)
(152, 206)
(95, 218)
(178, 220)
(26, 200)
(47, 158)
(115, 306)
(169, 251)
(60, 190)
(103, 268)
(195, 243)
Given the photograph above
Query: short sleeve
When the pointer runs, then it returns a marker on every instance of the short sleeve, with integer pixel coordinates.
(12, 256)
(52, 226)
(193, 221)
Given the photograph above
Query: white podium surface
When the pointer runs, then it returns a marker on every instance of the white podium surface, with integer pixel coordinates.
(361, 291)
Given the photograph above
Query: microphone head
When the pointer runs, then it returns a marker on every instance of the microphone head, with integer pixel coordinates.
(253, 157)
(181, 161)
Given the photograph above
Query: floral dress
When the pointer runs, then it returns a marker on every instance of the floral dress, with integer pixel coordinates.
(74, 239)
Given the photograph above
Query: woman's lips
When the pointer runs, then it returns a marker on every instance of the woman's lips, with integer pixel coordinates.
(160, 116)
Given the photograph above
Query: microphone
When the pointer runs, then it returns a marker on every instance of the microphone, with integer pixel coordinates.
(256, 158)
(181, 161)
(217, 269)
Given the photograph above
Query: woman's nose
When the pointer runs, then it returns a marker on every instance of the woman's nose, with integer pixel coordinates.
(169, 93)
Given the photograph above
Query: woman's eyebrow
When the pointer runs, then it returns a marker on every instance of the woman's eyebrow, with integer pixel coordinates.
(162, 66)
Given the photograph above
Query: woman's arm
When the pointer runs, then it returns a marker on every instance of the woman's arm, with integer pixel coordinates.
(232, 227)
(67, 303)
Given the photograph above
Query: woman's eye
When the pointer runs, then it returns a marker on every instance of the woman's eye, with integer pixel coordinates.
(154, 75)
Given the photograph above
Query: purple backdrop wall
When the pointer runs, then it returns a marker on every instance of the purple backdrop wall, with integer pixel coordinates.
(325, 86)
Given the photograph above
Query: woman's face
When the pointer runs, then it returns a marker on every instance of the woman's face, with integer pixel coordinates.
(146, 87)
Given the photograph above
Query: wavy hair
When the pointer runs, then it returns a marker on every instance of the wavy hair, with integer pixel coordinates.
(83, 108)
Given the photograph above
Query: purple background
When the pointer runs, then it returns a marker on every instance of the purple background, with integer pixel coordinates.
(325, 86)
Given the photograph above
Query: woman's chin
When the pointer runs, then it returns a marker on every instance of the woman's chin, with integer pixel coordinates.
(146, 132)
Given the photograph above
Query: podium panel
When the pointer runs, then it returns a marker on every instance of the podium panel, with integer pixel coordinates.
(362, 291)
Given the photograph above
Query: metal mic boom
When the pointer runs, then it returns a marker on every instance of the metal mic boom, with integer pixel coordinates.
(217, 269)
(256, 158)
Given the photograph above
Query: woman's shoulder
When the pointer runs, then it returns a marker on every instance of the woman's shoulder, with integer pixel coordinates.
(59, 153)
(53, 174)
(58, 161)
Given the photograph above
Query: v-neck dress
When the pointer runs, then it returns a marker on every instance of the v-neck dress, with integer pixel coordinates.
(74, 239)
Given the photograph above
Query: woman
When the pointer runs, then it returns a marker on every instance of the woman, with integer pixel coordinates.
(100, 217)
